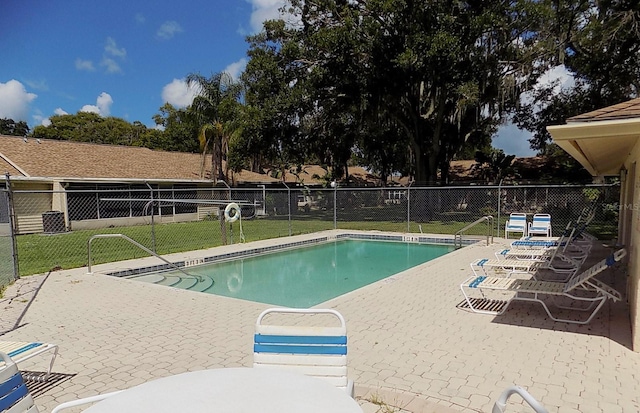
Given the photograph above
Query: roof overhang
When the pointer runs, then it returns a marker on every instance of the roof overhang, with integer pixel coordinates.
(202, 182)
(602, 147)
(103, 180)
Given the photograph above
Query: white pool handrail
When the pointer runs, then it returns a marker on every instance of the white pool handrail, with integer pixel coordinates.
(501, 403)
(137, 244)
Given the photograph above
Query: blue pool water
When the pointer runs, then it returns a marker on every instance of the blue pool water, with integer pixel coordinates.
(307, 276)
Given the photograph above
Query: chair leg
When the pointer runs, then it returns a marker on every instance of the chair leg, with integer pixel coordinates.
(473, 308)
(565, 320)
(53, 359)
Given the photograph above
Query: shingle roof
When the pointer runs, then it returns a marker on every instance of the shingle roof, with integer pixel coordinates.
(65, 159)
(624, 110)
(314, 175)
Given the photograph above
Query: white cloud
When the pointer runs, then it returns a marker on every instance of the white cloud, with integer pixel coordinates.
(140, 18)
(85, 65)
(46, 121)
(558, 77)
(38, 84)
(90, 109)
(236, 68)
(102, 106)
(561, 75)
(178, 93)
(110, 65)
(111, 48)
(263, 10)
(513, 141)
(15, 100)
(39, 118)
(111, 53)
(168, 29)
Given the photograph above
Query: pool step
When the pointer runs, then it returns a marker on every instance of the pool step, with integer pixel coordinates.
(177, 281)
(203, 285)
(148, 278)
(186, 283)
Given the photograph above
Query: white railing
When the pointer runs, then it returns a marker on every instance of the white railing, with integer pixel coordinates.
(137, 244)
(457, 242)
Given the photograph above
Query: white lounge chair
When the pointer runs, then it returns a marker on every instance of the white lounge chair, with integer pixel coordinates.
(544, 259)
(583, 288)
(507, 267)
(20, 351)
(517, 223)
(561, 250)
(14, 395)
(570, 241)
(316, 351)
(540, 225)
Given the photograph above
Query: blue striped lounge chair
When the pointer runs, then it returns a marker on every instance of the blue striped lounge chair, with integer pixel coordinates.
(14, 395)
(517, 223)
(318, 351)
(540, 225)
(20, 351)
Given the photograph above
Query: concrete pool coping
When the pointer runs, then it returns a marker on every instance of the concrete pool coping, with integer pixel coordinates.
(185, 260)
(411, 345)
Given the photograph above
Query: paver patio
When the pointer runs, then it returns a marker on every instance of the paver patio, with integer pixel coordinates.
(411, 345)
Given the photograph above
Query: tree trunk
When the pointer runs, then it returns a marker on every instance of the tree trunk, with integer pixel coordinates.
(425, 155)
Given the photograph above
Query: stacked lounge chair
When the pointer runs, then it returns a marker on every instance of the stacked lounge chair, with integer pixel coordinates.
(546, 270)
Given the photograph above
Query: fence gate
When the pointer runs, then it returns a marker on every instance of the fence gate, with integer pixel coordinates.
(8, 270)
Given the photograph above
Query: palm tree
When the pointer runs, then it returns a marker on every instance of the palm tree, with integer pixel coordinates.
(213, 109)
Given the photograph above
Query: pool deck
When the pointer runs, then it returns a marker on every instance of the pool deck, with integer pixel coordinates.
(412, 345)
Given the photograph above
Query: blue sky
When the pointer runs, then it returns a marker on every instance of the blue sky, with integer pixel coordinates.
(118, 58)
(127, 58)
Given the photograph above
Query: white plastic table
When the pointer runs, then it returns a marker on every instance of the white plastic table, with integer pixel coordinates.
(231, 390)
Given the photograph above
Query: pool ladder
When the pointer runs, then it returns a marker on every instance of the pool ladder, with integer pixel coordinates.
(457, 241)
(137, 244)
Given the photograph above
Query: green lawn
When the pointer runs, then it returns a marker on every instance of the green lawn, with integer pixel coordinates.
(39, 253)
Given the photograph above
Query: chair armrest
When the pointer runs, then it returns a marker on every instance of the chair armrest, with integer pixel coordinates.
(350, 388)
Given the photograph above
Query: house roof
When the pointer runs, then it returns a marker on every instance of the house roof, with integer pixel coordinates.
(601, 140)
(624, 110)
(44, 158)
(315, 175)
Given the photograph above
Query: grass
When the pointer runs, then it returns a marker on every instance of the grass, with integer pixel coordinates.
(39, 253)
(382, 406)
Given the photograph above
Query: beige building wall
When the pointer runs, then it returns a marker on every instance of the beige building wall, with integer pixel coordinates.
(59, 201)
(630, 236)
(28, 207)
(130, 221)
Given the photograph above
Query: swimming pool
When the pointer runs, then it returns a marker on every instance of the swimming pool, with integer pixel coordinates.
(309, 275)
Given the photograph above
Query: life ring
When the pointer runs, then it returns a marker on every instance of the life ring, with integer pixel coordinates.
(234, 282)
(236, 212)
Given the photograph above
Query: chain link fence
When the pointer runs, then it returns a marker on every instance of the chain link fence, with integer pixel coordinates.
(53, 228)
(8, 271)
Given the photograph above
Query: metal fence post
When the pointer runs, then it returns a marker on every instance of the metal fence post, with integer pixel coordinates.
(334, 185)
(497, 229)
(12, 228)
(153, 227)
(409, 207)
(223, 227)
(288, 205)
